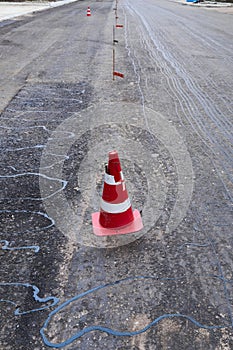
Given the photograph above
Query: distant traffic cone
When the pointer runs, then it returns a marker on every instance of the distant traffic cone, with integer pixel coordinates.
(88, 11)
(116, 215)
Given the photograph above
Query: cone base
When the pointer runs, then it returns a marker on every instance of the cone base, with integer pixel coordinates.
(134, 226)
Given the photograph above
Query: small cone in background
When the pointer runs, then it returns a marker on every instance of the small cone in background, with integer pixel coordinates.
(116, 215)
(88, 11)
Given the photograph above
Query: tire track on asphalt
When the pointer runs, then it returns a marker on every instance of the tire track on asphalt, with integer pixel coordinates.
(176, 76)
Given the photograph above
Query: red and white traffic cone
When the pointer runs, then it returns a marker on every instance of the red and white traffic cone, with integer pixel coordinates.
(88, 11)
(116, 215)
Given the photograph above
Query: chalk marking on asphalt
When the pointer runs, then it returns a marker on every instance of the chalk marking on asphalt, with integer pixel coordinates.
(36, 291)
(23, 148)
(64, 182)
(36, 248)
(192, 244)
(70, 134)
(14, 211)
(111, 331)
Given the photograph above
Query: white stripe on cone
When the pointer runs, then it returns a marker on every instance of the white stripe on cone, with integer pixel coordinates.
(110, 180)
(115, 208)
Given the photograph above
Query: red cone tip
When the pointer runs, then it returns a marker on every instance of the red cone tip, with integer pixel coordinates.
(113, 155)
(114, 165)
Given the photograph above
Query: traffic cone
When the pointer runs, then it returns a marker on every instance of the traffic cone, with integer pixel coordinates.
(88, 11)
(116, 216)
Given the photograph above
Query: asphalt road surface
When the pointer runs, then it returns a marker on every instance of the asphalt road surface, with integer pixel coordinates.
(169, 286)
